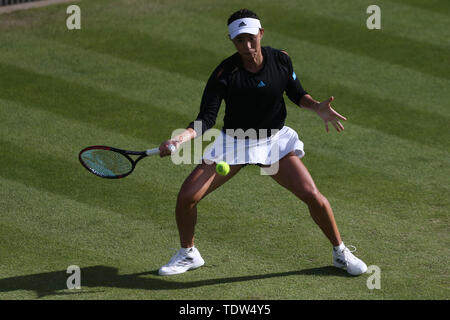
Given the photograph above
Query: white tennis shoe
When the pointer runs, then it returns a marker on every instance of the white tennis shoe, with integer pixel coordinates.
(185, 259)
(345, 259)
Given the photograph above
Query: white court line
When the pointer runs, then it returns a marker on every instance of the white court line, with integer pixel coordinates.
(29, 5)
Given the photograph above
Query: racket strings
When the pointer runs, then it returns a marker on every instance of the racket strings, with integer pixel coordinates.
(106, 163)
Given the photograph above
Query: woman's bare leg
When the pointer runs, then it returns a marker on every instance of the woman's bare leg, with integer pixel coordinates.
(294, 176)
(202, 181)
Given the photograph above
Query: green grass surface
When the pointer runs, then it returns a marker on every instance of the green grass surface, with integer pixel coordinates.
(136, 71)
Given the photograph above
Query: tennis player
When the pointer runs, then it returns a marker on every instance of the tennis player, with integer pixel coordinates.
(252, 82)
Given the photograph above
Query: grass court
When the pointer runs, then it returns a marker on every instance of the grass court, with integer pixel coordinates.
(136, 71)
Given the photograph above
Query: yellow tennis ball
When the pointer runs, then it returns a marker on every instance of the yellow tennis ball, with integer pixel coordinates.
(222, 168)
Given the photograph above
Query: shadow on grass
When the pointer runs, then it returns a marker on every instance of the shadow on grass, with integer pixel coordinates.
(52, 283)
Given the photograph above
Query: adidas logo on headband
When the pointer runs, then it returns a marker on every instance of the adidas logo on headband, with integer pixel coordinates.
(244, 25)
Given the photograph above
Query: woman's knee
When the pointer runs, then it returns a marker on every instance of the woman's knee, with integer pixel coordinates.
(311, 196)
(187, 199)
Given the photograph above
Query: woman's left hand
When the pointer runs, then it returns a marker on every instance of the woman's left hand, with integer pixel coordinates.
(328, 114)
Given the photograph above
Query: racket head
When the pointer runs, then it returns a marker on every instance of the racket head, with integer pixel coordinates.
(106, 162)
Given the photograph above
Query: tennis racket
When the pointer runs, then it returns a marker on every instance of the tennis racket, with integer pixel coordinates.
(113, 163)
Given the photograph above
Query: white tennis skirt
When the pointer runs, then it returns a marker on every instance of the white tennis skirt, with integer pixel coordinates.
(264, 151)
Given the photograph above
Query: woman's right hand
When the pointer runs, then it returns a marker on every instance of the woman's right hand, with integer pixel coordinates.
(187, 135)
(164, 147)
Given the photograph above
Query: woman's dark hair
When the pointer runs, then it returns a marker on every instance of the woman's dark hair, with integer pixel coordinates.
(243, 13)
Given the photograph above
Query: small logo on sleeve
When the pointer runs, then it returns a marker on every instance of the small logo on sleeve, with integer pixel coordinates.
(294, 76)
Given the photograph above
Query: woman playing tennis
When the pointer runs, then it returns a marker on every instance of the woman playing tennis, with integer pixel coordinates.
(252, 82)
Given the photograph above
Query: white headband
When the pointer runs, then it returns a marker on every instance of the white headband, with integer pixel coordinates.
(244, 25)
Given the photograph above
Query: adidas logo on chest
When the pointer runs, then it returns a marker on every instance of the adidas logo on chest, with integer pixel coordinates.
(261, 84)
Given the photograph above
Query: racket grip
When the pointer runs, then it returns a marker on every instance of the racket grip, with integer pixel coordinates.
(151, 152)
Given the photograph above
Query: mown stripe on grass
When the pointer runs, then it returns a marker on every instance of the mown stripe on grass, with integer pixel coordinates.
(54, 134)
(400, 158)
(397, 19)
(139, 196)
(29, 257)
(384, 114)
(65, 137)
(140, 83)
(364, 75)
(84, 229)
(438, 6)
(405, 160)
(382, 46)
(35, 265)
(85, 103)
(155, 50)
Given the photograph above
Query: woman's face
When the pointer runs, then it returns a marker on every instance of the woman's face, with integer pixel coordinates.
(248, 45)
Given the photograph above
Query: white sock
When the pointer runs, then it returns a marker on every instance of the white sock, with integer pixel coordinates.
(340, 247)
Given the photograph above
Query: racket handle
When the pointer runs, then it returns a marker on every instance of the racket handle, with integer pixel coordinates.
(151, 152)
